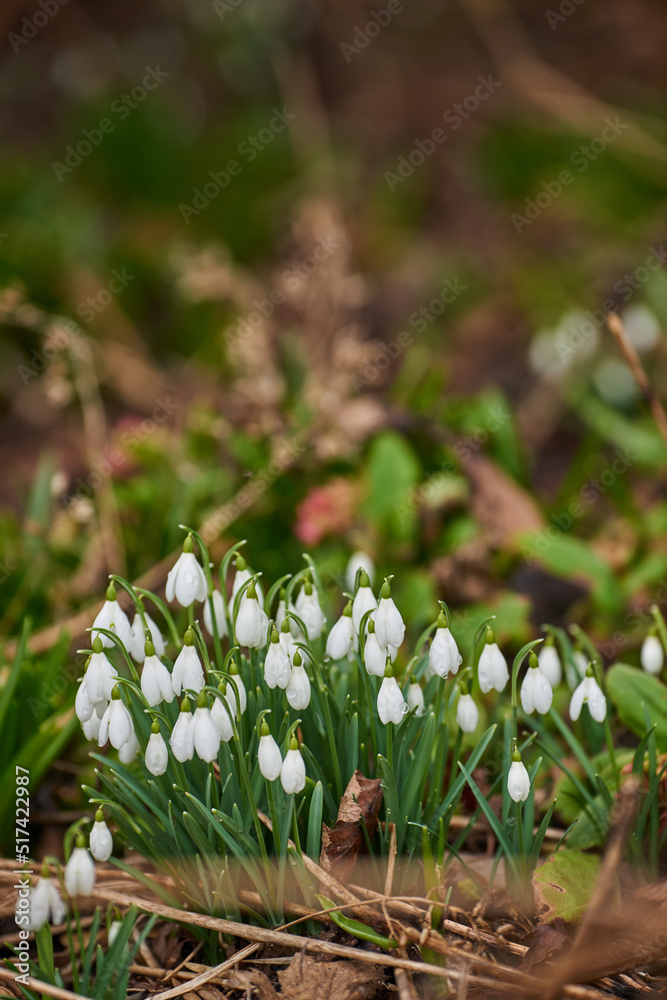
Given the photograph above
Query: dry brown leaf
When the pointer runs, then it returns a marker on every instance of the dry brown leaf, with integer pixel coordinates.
(503, 508)
(342, 844)
(305, 979)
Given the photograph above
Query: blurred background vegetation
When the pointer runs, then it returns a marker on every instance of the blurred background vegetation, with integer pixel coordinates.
(361, 335)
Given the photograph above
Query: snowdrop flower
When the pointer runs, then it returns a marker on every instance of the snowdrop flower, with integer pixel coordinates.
(241, 576)
(138, 641)
(518, 782)
(364, 600)
(536, 691)
(467, 713)
(286, 638)
(44, 905)
(206, 733)
(251, 622)
(112, 617)
(576, 674)
(309, 611)
(186, 581)
(231, 692)
(268, 755)
(156, 684)
(588, 693)
(293, 770)
(101, 674)
(492, 668)
(443, 656)
(389, 626)
(188, 673)
(114, 930)
(298, 688)
(220, 714)
(375, 657)
(129, 750)
(390, 704)
(80, 871)
(182, 739)
(83, 706)
(157, 755)
(340, 640)
(415, 698)
(91, 728)
(220, 617)
(281, 610)
(276, 664)
(101, 841)
(549, 661)
(652, 656)
(359, 560)
(116, 725)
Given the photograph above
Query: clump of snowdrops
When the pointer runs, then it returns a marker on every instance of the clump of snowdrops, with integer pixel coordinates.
(239, 721)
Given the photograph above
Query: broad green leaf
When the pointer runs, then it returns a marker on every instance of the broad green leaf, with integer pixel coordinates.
(564, 883)
(630, 690)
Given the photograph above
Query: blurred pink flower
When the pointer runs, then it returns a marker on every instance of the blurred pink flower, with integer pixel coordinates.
(326, 510)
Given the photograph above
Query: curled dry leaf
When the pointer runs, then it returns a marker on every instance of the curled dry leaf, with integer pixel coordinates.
(342, 844)
(305, 978)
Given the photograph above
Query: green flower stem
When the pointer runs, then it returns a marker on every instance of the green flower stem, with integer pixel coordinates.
(390, 746)
(519, 834)
(456, 756)
(191, 615)
(164, 610)
(612, 754)
(274, 818)
(245, 780)
(326, 711)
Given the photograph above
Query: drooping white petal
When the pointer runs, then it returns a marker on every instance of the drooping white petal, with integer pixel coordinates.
(100, 678)
(340, 638)
(364, 601)
(269, 758)
(389, 626)
(186, 581)
(492, 669)
(137, 648)
(390, 704)
(536, 692)
(375, 657)
(590, 693)
(251, 624)
(550, 666)
(112, 617)
(518, 782)
(188, 673)
(80, 873)
(129, 750)
(443, 656)
(156, 683)
(359, 560)
(83, 706)
(182, 740)
(277, 666)
(467, 714)
(651, 656)
(221, 718)
(206, 735)
(220, 619)
(293, 772)
(157, 755)
(101, 841)
(415, 699)
(298, 689)
(309, 611)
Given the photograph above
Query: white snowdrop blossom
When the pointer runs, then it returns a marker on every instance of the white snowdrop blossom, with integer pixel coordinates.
(277, 665)
(550, 666)
(156, 683)
(83, 706)
(206, 733)
(91, 728)
(518, 782)
(112, 617)
(137, 647)
(116, 725)
(268, 755)
(467, 713)
(340, 641)
(251, 622)
(188, 673)
(536, 691)
(237, 709)
(100, 676)
(357, 561)
(389, 626)
(574, 675)
(80, 871)
(129, 750)
(281, 610)
(298, 688)
(415, 698)
(242, 576)
(45, 905)
(293, 770)
(220, 618)
(220, 714)
(186, 580)
(652, 656)
(375, 657)
(101, 841)
(443, 655)
(182, 739)
(588, 693)
(309, 611)
(390, 703)
(364, 600)
(492, 669)
(157, 755)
